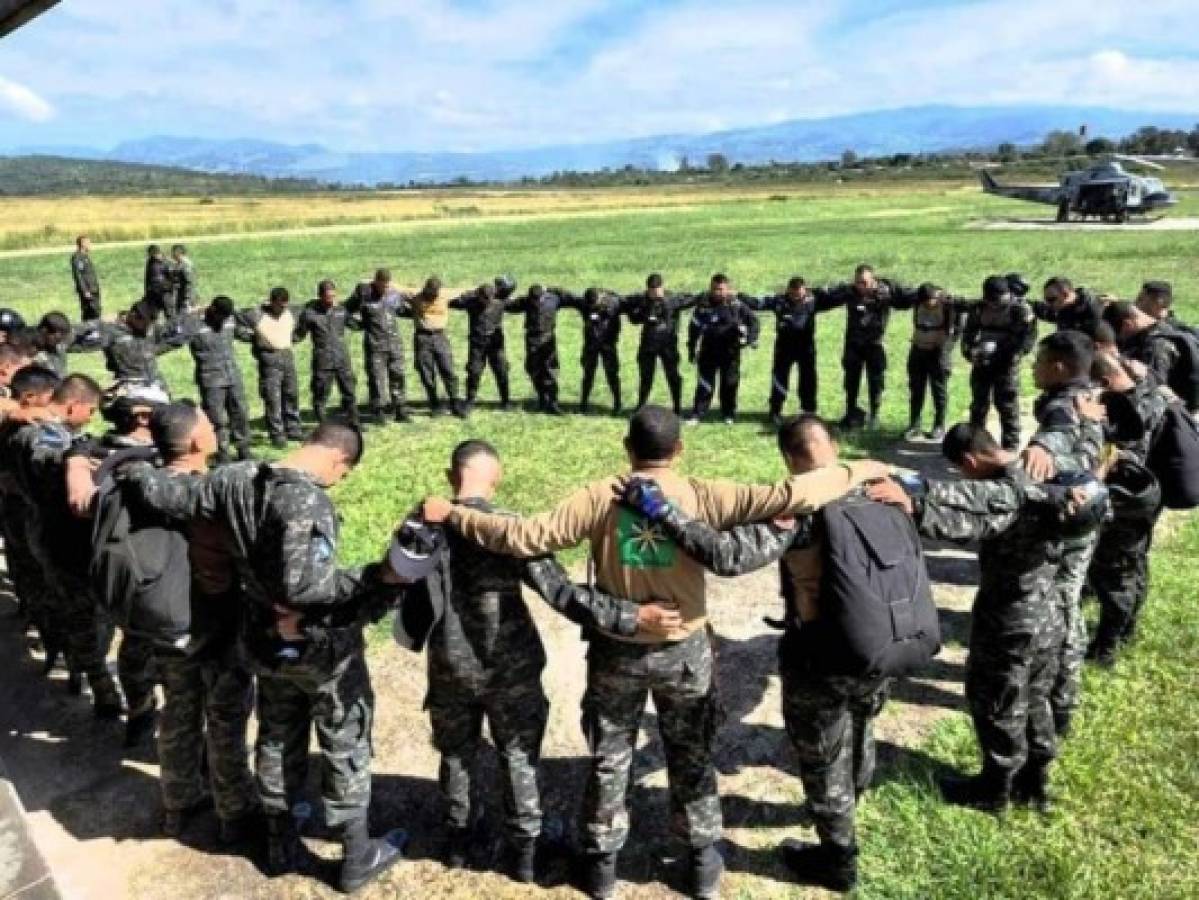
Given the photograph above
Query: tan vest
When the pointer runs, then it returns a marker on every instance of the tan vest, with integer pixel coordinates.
(431, 315)
(275, 334)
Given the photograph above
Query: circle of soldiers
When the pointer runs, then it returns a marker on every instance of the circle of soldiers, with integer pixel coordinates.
(104, 530)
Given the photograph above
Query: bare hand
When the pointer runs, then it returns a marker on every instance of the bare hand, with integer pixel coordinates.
(889, 491)
(1135, 369)
(27, 415)
(1038, 463)
(436, 510)
(1089, 407)
(81, 486)
(659, 618)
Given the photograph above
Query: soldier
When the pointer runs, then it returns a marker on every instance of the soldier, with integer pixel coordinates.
(303, 633)
(1015, 632)
(61, 542)
(658, 315)
(210, 338)
(1119, 572)
(131, 348)
(1155, 300)
(325, 320)
(272, 325)
(53, 342)
(936, 325)
(868, 301)
(718, 331)
(485, 658)
(373, 306)
(635, 561)
(485, 308)
(1066, 441)
(1143, 338)
(540, 308)
(431, 312)
(828, 717)
(999, 332)
(158, 287)
(206, 685)
(794, 345)
(601, 311)
(87, 282)
(183, 281)
(1068, 307)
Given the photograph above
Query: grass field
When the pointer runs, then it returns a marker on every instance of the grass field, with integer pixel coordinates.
(1130, 825)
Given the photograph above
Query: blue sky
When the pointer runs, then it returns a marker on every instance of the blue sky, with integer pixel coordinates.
(485, 74)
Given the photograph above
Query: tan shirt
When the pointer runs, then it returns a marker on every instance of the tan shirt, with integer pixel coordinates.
(636, 561)
(431, 315)
(275, 334)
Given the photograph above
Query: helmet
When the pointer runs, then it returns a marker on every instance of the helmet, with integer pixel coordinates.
(10, 320)
(120, 401)
(1017, 284)
(505, 286)
(1135, 491)
(414, 549)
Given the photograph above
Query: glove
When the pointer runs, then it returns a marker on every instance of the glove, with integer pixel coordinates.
(645, 496)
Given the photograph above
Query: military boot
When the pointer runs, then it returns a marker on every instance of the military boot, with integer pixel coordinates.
(283, 847)
(106, 697)
(242, 830)
(828, 866)
(1105, 646)
(175, 820)
(458, 409)
(366, 858)
(457, 848)
(988, 791)
(707, 865)
(1030, 787)
(139, 724)
(1061, 722)
(522, 860)
(598, 878)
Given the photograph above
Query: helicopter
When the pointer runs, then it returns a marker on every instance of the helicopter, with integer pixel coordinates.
(1105, 190)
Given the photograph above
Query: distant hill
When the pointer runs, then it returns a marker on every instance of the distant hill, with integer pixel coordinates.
(922, 129)
(32, 175)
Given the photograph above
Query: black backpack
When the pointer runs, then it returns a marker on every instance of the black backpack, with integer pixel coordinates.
(141, 572)
(877, 615)
(1183, 379)
(1174, 458)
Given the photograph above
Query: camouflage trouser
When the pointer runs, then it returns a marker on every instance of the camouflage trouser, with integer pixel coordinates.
(335, 699)
(1119, 574)
(830, 721)
(1001, 384)
(1009, 673)
(620, 676)
(1067, 587)
(207, 702)
(85, 631)
(25, 572)
(516, 717)
(385, 379)
(322, 385)
(225, 406)
(138, 671)
(435, 358)
(279, 389)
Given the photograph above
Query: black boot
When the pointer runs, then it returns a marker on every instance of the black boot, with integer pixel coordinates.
(139, 725)
(457, 848)
(242, 830)
(1030, 787)
(1061, 721)
(283, 847)
(598, 879)
(826, 865)
(988, 791)
(175, 820)
(106, 698)
(458, 409)
(366, 858)
(707, 865)
(522, 860)
(402, 415)
(1105, 646)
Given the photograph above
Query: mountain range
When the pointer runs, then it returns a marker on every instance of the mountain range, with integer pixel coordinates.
(921, 129)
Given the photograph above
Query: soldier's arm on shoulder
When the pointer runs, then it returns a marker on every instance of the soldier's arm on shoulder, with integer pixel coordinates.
(745, 548)
(830, 298)
(1025, 317)
(586, 606)
(964, 510)
(566, 525)
(157, 491)
(724, 504)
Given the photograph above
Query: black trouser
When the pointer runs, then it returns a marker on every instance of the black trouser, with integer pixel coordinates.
(726, 366)
(541, 364)
(789, 353)
(280, 391)
(385, 378)
(928, 368)
(89, 309)
(484, 353)
(872, 357)
(593, 355)
(1001, 383)
(225, 406)
(164, 303)
(322, 384)
(433, 358)
(647, 358)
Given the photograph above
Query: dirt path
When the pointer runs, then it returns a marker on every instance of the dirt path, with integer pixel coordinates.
(95, 814)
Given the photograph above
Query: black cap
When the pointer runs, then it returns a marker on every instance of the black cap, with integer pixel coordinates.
(414, 549)
(10, 319)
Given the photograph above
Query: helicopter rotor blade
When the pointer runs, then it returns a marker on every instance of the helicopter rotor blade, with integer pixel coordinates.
(1139, 160)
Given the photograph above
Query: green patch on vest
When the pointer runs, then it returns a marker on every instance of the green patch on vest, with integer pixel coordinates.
(642, 544)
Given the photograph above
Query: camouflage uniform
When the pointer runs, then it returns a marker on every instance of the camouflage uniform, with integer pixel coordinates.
(485, 341)
(183, 286)
(330, 358)
(485, 658)
(1075, 445)
(283, 536)
(1084, 314)
(87, 285)
(997, 335)
(659, 321)
(218, 377)
(130, 356)
(278, 384)
(382, 346)
(158, 287)
(1015, 633)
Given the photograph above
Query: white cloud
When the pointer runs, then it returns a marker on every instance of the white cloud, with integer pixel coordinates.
(24, 103)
